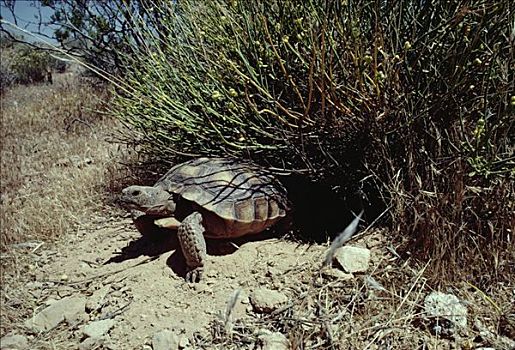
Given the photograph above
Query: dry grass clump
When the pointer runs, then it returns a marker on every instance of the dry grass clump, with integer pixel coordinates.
(54, 158)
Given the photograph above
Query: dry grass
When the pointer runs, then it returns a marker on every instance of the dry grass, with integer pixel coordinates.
(57, 171)
(383, 309)
(54, 159)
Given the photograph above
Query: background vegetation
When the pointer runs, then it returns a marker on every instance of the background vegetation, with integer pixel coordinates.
(22, 64)
(55, 160)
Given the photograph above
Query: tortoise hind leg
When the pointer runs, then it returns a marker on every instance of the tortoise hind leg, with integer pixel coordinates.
(193, 245)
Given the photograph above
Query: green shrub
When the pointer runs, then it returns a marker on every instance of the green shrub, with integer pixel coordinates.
(24, 64)
(30, 65)
(7, 77)
(413, 100)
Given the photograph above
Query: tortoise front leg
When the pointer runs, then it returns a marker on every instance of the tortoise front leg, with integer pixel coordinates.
(193, 245)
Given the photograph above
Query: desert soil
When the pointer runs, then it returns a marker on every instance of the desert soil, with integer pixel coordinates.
(136, 285)
(138, 282)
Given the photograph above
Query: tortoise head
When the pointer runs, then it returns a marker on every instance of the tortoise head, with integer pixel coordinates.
(150, 200)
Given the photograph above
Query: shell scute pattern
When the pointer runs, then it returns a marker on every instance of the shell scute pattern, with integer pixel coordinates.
(239, 193)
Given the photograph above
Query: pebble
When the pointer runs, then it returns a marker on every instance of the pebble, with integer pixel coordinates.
(446, 306)
(353, 259)
(34, 285)
(272, 340)
(96, 300)
(266, 300)
(69, 309)
(165, 340)
(183, 342)
(336, 273)
(14, 342)
(97, 329)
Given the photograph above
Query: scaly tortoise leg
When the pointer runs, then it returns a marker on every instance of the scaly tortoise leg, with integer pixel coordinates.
(193, 244)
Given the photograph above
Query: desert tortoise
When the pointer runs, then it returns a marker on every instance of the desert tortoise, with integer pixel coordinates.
(215, 197)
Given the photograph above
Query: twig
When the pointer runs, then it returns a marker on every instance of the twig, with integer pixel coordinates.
(373, 222)
(111, 273)
(37, 247)
(400, 305)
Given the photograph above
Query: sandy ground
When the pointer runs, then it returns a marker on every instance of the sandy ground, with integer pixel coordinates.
(138, 283)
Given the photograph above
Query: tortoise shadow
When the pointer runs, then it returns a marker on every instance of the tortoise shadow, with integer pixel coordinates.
(155, 241)
(215, 247)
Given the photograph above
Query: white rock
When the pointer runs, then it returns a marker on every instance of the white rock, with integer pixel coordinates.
(165, 339)
(353, 259)
(70, 309)
(97, 329)
(183, 342)
(339, 274)
(14, 342)
(266, 300)
(446, 306)
(272, 340)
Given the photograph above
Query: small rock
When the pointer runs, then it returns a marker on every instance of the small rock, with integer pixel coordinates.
(34, 285)
(447, 307)
(97, 329)
(69, 309)
(165, 340)
(14, 342)
(203, 288)
(353, 259)
(95, 301)
(332, 272)
(183, 342)
(272, 340)
(266, 300)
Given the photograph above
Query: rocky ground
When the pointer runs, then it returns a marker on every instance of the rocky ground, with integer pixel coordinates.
(109, 288)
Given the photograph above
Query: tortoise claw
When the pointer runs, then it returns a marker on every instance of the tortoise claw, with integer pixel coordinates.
(169, 222)
(195, 275)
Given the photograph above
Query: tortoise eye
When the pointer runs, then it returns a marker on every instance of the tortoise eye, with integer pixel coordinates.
(136, 192)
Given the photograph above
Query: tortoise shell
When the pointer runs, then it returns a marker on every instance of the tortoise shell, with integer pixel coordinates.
(243, 197)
